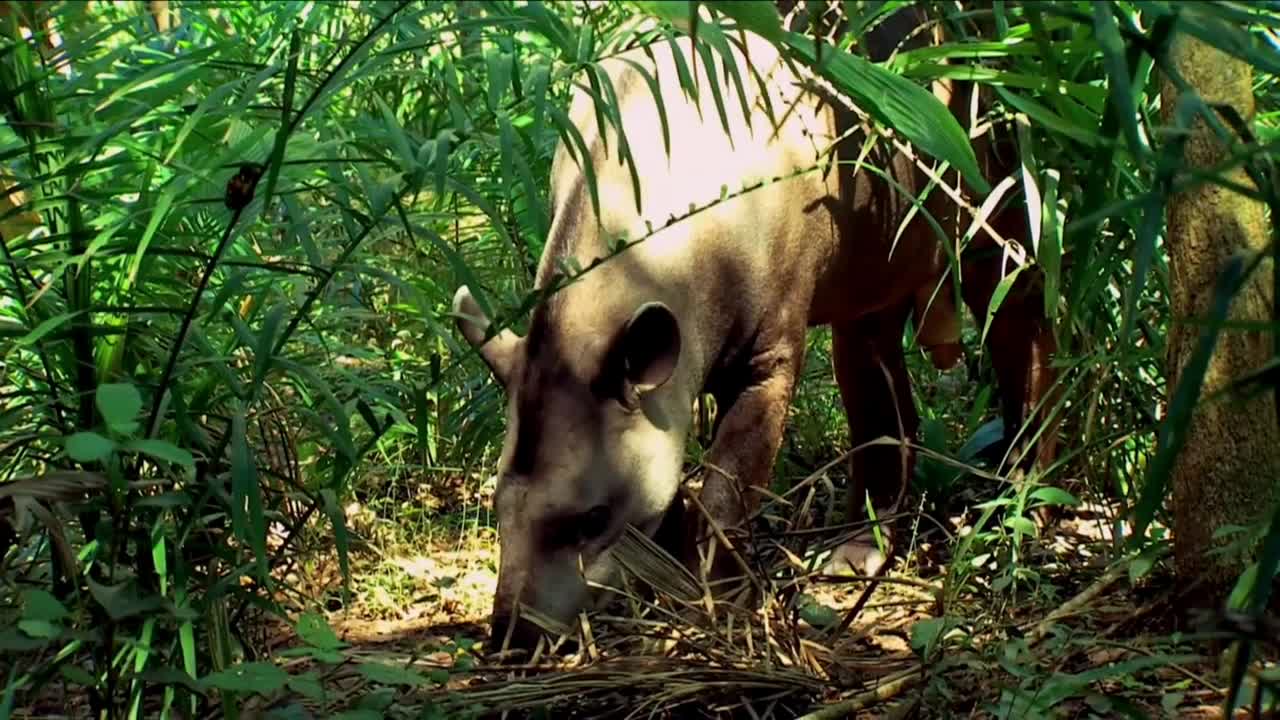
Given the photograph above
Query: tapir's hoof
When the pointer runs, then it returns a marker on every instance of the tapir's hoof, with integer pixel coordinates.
(859, 556)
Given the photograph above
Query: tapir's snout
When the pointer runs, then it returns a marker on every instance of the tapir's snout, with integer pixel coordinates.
(523, 635)
(549, 588)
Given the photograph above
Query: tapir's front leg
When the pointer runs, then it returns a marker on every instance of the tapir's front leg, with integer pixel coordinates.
(748, 435)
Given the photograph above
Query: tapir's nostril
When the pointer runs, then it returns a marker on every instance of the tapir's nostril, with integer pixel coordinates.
(594, 522)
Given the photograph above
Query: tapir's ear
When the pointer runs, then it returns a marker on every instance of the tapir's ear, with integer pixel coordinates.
(650, 349)
(500, 350)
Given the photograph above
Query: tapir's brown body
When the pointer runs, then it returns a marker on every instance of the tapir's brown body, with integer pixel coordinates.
(601, 390)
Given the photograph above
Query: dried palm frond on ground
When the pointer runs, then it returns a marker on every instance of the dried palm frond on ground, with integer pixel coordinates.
(764, 648)
(789, 642)
(653, 686)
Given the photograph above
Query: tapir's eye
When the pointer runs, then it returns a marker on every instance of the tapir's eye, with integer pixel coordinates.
(594, 522)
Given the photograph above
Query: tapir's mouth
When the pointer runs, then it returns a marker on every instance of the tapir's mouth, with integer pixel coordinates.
(670, 530)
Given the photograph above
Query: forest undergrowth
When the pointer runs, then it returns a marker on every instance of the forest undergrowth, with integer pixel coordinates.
(247, 465)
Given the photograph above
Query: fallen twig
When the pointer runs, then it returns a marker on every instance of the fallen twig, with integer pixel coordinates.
(884, 691)
(1039, 629)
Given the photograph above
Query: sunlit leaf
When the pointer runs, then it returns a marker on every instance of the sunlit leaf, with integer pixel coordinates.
(1021, 525)
(997, 299)
(899, 104)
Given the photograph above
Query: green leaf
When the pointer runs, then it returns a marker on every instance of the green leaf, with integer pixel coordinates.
(158, 214)
(925, 635)
(1065, 685)
(1120, 82)
(1049, 253)
(1055, 496)
(119, 404)
(331, 657)
(679, 14)
(1021, 526)
(1268, 562)
(187, 639)
(253, 677)
(984, 437)
(1049, 120)
(176, 498)
(499, 67)
(42, 605)
(42, 629)
(314, 631)
(815, 613)
(307, 685)
(263, 356)
(506, 147)
(292, 711)
(432, 711)
(162, 450)
(77, 675)
(359, 714)
(1143, 562)
(758, 16)
(248, 518)
(399, 140)
(166, 675)
(88, 447)
(160, 557)
(341, 539)
(288, 119)
(47, 327)
(997, 299)
(578, 150)
(377, 701)
(1238, 599)
(14, 640)
(655, 89)
(391, 674)
(898, 103)
(122, 600)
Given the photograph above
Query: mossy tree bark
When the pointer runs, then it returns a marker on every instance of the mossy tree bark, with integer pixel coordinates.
(1228, 471)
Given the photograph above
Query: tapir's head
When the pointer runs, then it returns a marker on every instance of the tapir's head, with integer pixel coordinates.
(595, 439)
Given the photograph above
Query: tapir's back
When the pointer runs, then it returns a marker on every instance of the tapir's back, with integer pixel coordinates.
(716, 263)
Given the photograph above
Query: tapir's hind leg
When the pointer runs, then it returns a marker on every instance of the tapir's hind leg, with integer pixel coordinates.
(863, 352)
(1021, 346)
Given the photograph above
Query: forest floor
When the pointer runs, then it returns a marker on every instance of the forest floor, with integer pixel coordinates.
(1082, 641)
(1076, 637)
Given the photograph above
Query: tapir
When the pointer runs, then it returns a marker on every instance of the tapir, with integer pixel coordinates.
(715, 292)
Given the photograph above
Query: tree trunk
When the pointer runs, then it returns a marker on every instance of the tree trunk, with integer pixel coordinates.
(1228, 470)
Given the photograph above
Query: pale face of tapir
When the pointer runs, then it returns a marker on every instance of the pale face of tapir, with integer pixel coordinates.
(595, 440)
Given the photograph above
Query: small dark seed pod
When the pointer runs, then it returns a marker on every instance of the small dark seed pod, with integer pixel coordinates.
(241, 186)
